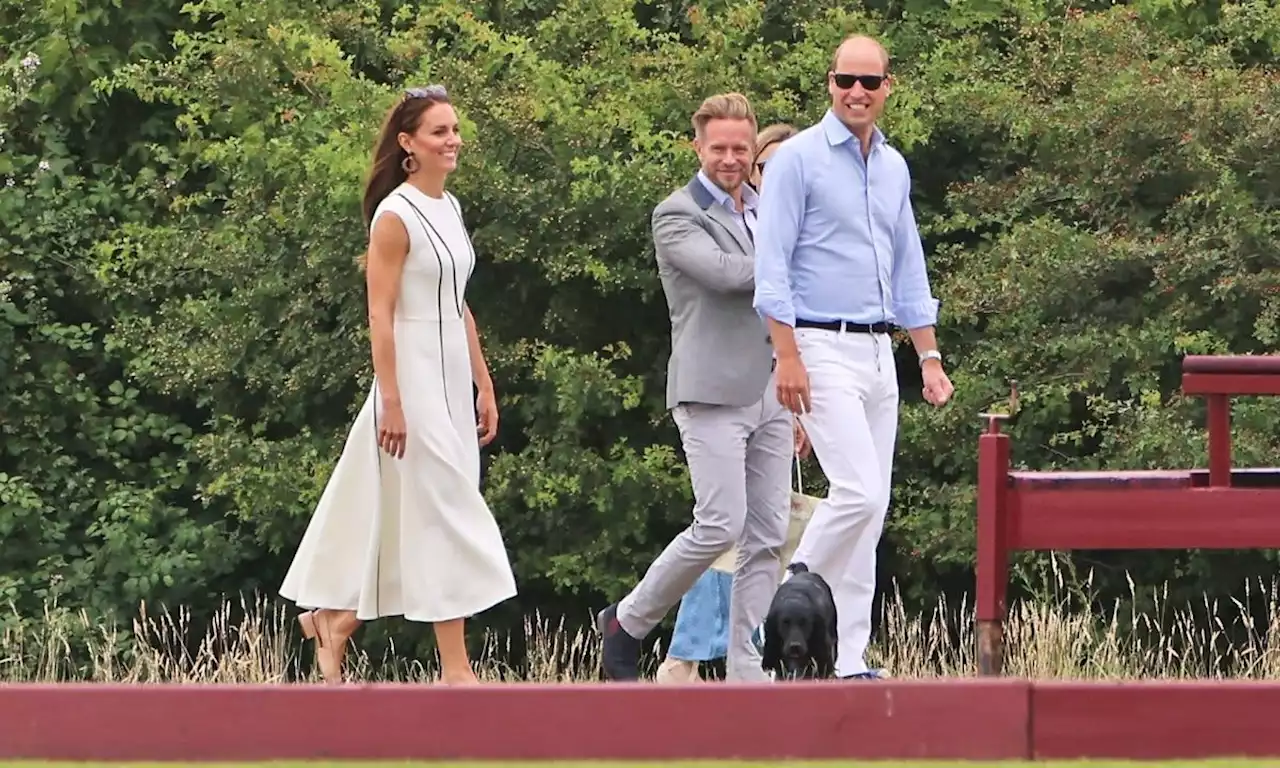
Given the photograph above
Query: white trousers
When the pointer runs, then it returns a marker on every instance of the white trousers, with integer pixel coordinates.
(852, 426)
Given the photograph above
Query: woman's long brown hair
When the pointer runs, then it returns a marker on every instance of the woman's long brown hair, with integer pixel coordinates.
(387, 171)
(774, 134)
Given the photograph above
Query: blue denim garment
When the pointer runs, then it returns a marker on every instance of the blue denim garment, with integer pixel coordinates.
(702, 621)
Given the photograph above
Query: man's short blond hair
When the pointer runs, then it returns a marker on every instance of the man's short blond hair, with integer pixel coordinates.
(722, 106)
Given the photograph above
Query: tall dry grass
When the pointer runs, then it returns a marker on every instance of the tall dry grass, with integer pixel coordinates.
(1049, 637)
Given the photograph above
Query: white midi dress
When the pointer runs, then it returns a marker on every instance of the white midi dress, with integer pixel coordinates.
(412, 537)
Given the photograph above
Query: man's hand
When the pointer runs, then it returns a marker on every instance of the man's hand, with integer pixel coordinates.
(937, 387)
(793, 384)
(803, 446)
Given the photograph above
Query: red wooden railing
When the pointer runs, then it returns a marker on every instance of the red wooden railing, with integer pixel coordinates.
(1221, 508)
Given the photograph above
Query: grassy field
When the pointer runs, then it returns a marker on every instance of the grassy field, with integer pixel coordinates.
(1048, 638)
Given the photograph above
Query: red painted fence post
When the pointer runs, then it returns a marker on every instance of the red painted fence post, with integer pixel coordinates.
(993, 556)
(1219, 440)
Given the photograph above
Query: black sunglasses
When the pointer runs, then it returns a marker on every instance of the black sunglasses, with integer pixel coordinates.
(869, 82)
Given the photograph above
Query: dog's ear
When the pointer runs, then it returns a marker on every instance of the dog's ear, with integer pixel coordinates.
(822, 644)
(771, 657)
(834, 630)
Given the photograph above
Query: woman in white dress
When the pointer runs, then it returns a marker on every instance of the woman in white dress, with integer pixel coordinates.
(402, 528)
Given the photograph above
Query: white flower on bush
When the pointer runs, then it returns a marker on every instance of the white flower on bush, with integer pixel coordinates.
(43, 166)
(26, 74)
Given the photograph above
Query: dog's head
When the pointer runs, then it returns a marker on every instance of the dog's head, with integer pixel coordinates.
(796, 624)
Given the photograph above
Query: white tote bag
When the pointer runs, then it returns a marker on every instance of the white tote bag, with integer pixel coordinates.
(802, 507)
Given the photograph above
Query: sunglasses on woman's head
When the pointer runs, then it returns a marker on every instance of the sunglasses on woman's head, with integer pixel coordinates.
(427, 92)
(869, 82)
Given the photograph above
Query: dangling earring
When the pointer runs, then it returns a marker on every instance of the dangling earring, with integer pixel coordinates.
(409, 164)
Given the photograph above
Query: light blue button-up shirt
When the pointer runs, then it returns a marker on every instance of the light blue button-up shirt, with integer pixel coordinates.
(746, 218)
(836, 237)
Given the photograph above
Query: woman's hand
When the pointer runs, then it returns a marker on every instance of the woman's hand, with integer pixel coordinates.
(391, 430)
(803, 446)
(486, 416)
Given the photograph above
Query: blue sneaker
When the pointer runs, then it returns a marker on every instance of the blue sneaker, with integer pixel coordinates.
(870, 674)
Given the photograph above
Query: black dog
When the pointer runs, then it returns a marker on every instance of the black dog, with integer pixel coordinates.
(800, 633)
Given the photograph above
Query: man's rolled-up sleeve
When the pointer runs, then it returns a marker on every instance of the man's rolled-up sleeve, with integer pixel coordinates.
(781, 214)
(913, 303)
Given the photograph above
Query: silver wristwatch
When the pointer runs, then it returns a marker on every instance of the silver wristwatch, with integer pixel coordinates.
(931, 354)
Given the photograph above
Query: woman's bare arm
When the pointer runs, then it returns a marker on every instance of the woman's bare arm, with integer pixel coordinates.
(479, 368)
(388, 248)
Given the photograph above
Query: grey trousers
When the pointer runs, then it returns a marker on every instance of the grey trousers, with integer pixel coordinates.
(740, 466)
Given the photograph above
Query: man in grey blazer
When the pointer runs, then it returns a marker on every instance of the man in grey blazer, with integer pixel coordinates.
(737, 437)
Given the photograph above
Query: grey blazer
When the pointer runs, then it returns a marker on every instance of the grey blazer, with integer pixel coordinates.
(720, 351)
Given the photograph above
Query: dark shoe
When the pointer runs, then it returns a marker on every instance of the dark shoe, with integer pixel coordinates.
(620, 652)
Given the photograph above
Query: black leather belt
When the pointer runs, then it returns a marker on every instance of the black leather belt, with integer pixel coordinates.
(848, 327)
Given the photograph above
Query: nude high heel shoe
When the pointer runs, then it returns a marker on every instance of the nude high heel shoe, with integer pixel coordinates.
(677, 672)
(330, 640)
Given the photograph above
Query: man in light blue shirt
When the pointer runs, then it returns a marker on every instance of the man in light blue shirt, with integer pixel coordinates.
(839, 262)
